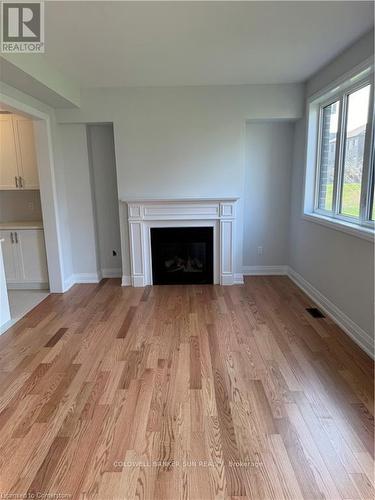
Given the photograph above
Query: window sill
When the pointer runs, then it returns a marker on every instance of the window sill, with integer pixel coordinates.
(339, 225)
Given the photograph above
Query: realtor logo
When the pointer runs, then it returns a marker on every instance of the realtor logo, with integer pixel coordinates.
(22, 27)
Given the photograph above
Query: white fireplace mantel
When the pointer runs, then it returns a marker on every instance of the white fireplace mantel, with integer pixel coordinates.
(218, 213)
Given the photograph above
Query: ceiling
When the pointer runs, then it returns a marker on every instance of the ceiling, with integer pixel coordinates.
(112, 44)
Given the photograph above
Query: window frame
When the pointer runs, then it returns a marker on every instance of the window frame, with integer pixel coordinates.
(342, 96)
(322, 105)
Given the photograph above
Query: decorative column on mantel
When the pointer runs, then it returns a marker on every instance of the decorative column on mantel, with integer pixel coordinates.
(218, 213)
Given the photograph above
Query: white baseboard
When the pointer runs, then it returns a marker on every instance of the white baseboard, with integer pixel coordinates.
(28, 286)
(264, 270)
(126, 281)
(238, 279)
(87, 278)
(355, 332)
(111, 273)
(68, 283)
(75, 279)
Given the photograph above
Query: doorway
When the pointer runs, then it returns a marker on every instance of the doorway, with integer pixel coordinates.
(21, 218)
(34, 190)
(103, 178)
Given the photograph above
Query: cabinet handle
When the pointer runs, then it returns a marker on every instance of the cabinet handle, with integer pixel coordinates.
(21, 182)
(16, 179)
(11, 238)
(16, 236)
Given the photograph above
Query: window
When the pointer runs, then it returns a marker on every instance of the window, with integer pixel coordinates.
(344, 171)
(355, 132)
(329, 129)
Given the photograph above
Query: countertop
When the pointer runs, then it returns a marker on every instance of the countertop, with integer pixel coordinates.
(22, 225)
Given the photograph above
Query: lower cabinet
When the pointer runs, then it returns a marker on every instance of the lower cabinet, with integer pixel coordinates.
(25, 259)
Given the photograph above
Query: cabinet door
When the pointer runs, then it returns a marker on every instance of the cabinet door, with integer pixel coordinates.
(32, 255)
(8, 154)
(25, 142)
(10, 256)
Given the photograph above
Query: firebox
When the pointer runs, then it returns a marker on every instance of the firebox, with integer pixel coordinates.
(182, 255)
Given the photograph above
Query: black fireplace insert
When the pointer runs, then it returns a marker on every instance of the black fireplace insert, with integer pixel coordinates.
(182, 255)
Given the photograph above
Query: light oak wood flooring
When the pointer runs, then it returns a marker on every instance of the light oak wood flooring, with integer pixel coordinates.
(191, 392)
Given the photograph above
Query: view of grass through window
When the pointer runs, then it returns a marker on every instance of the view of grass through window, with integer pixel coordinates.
(351, 198)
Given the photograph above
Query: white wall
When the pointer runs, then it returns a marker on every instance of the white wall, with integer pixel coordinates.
(79, 202)
(269, 150)
(184, 141)
(105, 198)
(338, 265)
(353, 55)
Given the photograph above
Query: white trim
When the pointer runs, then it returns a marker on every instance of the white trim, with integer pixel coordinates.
(87, 278)
(264, 270)
(138, 201)
(126, 281)
(220, 214)
(238, 279)
(68, 283)
(75, 279)
(338, 90)
(30, 285)
(355, 332)
(111, 272)
(340, 225)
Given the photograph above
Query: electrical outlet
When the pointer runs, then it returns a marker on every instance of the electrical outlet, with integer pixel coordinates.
(31, 206)
(260, 250)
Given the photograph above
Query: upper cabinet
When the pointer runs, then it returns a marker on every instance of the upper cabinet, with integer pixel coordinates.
(18, 165)
(8, 154)
(27, 165)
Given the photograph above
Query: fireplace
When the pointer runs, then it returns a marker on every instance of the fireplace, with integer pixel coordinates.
(182, 255)
(213, 254)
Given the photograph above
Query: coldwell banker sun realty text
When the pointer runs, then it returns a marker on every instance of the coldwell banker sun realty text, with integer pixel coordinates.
(22, 27)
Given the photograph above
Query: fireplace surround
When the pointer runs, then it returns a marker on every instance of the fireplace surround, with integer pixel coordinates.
(217, 214)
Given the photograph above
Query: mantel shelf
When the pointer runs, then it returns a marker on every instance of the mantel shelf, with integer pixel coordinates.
(178, 200)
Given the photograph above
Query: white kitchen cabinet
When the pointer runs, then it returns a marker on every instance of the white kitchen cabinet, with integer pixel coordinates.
(25, 141)
(18, 162)
(10, 256)
(25, 259)
(8, 154)
(33, 262)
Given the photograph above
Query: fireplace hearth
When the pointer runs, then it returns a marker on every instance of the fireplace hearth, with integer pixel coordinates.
(182, 255)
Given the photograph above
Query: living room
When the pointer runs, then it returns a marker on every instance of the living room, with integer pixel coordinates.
(206, 197)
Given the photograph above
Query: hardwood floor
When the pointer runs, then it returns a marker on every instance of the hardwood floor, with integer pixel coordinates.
(193, 392)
